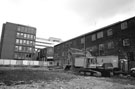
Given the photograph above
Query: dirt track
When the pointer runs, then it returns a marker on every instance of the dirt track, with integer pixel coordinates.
(41, 79)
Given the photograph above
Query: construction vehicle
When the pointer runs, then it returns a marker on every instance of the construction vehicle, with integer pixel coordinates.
(83, 62)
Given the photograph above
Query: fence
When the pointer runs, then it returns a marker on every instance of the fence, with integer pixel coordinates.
(11, 62)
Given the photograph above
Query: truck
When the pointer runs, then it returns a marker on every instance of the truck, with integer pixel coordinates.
(83, 62)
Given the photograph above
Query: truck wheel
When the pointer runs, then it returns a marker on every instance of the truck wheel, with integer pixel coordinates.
(106, 74)
(81, 72)
(111, 74)
(92, 73)
(88, 73)
(97, 74)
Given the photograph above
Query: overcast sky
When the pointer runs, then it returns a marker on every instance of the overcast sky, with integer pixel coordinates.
(65, 19)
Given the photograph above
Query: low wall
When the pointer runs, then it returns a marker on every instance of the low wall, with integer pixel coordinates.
(11, 62)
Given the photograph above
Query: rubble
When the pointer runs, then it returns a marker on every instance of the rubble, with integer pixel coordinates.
(37, 79)
(77, 83)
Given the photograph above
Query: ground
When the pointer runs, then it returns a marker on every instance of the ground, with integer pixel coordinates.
(40, 78)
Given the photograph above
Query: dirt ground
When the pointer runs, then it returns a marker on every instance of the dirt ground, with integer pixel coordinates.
(44, 79)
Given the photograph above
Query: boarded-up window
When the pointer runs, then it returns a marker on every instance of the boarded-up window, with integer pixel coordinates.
(109, 32)
(83, 40)
(99, 34)
(93, 37)
(101, 46)
(124, 25)
(110, 45)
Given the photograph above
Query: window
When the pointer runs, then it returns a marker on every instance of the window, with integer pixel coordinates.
(23, 56)
(17, 41)
(24, 42)
(33, 43)
(21, 41)
(26, 29)
(99, 34)
(18, 28)
(92, 61)
(34, 37)
(31, 36)
(101, 46)
(20, 48)
(109, 32)
(93, 37)
(124, 25)
(126, 42)
(34, 31)
(28, 36)
(29, 30)
(22, 29)
(18, 34)
(28, 42)
(29, 49)
(21, 35)
(16, 55)
(110, 45)
(25, 36)
(16, 48)
(26, 56)
(26, 49)
(19, 55)
(101, 49)
(23, 49)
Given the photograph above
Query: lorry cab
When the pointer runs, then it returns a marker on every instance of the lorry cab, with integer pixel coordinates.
(91, 62)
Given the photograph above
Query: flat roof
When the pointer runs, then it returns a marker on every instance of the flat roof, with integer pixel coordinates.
(21, 25)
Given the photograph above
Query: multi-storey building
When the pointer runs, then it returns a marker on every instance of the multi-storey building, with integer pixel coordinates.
(43, 43)
(17, 41)
(46, 54)
(44, 48)
(116, 40)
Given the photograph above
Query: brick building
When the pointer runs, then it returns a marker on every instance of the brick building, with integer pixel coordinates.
(115, 40)
(17, 41)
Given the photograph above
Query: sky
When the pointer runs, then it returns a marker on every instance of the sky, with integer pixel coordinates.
(65, 19)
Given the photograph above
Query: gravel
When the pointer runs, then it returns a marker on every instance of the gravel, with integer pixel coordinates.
(77, 83)
(40, 79)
